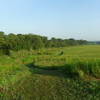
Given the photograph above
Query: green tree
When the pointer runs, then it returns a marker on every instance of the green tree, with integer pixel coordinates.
(4, 47)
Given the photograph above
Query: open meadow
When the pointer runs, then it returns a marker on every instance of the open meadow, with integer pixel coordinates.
(68, 73)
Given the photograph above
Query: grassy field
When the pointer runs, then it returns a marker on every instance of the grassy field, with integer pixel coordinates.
(71, 73)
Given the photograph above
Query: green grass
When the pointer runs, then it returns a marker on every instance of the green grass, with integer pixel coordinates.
(47, 75)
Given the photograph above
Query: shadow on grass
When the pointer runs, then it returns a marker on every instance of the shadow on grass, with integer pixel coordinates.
(58, 71)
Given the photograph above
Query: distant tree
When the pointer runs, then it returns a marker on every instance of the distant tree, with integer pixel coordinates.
(2, 33)
(37, 43)
(82, 42)
(4, 47)
(30, 41)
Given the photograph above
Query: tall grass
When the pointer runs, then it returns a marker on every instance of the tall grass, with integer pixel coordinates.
(47, 75)
(83, 67)
(73, 66)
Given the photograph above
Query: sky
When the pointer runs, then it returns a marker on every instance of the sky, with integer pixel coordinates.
(79, 19)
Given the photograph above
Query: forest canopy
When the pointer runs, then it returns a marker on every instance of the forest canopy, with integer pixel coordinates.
(18, 42)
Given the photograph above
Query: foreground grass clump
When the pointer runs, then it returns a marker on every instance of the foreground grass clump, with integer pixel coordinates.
(81, 67)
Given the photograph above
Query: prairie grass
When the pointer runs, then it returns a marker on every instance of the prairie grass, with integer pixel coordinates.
(47, 75)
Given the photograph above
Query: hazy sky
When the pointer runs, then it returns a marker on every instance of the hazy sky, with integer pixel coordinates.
(78, 19)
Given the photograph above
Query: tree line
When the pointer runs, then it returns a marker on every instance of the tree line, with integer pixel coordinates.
(18, 42)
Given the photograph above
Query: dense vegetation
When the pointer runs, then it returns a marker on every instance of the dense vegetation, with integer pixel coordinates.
(30, 41)
(67, 73)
